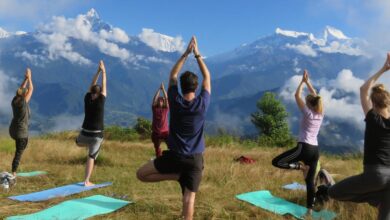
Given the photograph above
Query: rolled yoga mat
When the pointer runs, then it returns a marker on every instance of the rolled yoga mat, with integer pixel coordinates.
(265, 200)
(76, 209)
(57, 192)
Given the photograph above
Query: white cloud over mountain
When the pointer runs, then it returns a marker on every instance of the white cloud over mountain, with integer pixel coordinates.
(57, 35)
(161, 42)
(303, 48)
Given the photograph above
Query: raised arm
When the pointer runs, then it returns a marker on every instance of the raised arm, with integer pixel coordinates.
(30, 85)
(298, 93)
(179, 64)
(24, 83)
(104, 78)
(166, 103)
(365, 88)
(308, 83)
(206, 84)
(95, 79)
(154, 102)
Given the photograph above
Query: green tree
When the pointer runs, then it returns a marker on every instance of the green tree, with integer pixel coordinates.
(143, 127)
(271, 121)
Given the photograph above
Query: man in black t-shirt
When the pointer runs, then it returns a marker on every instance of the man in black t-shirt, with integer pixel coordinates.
(91, 134)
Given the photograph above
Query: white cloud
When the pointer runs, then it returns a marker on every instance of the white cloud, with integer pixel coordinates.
(35, 59)
(58, 46)
(337, 47)
(303, 48)
(340, 96)
(6, 85)
(57, 34)
(154, 59)
(346, 81)
(116, 35)
(161, 42)
(347, 109)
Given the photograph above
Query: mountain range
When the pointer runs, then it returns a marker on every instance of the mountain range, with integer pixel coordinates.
(64, 53)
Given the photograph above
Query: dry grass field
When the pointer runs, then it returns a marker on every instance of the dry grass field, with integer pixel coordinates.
(223, 179)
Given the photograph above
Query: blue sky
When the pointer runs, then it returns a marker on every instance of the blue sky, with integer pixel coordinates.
(220, 25)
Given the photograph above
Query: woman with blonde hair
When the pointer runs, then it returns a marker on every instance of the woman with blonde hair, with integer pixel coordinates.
(373, 185)
(307, 147)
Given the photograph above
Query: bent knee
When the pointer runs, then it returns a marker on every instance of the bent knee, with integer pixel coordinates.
(140, 175)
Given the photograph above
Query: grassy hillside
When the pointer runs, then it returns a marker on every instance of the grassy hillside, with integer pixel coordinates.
(118, 162)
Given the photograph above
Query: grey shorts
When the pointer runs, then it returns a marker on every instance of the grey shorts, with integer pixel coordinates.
(93, 144)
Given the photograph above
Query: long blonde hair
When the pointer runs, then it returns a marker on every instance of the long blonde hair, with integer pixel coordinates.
(314, 102)
(380, 97)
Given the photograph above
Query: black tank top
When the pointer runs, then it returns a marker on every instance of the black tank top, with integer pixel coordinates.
(94, 113)
(377, 140)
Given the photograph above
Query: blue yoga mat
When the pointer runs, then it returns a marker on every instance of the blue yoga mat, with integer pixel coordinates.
(295, 186)
(264, 199)
(76, 209)
(33, 173)
(57, 192)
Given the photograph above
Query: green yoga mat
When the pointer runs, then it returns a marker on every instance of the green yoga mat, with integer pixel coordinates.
(264, 199)
(76, 209)
(33, 173)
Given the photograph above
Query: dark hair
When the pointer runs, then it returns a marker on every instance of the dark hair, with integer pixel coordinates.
(96, 89)
(380, 97)
(188, 82)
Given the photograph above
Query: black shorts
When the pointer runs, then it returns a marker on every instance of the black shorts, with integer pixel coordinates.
(188, 167)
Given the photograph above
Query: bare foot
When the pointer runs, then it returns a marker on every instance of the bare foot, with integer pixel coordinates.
(14, 174)
(87, 183)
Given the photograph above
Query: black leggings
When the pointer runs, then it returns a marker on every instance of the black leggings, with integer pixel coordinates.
(307, 153)
(21, 144)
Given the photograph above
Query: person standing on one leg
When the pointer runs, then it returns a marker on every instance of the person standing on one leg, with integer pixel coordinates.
(160, 108)
(91, 134)
(18, 129)
(307, 147)
(183, 161)
(373, 185)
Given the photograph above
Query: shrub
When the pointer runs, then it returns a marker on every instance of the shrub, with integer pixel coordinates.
(120, 133)
(271, 121)
(143, 127)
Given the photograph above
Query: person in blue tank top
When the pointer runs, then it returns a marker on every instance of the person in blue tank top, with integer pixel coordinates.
(183, 161)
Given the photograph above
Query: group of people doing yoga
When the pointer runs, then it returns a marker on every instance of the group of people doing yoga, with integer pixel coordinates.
(184, 136)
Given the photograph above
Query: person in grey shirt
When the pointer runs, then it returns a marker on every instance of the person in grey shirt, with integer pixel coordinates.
(18, 129)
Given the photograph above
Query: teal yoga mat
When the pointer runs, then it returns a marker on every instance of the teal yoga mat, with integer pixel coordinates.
(76, 209)
(33, 173)
(264, 199)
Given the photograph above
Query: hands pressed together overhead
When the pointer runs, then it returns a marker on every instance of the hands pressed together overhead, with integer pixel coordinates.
(386, 66)
(28, 73)
(192, 47)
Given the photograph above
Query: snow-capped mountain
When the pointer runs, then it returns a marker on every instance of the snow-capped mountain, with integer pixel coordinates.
(161, 42)
(64, 52)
